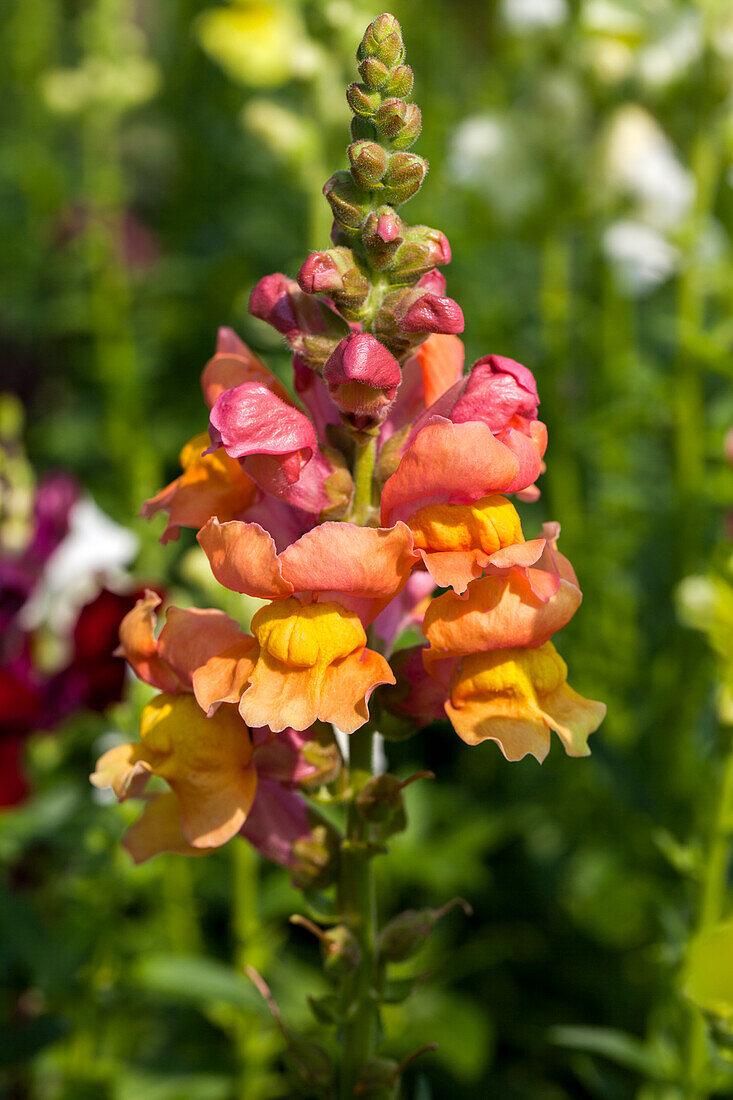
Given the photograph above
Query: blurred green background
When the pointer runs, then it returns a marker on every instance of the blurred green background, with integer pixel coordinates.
(157, 159)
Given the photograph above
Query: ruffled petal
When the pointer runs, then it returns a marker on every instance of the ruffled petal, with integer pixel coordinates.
(244, 558)
(192, 635)
(207, 762)
(250, 420)
(124, 769)
(451, 463)
(233, 364)
(223, 678)
(500, 612)
(441, 360)
(140, 649)
(279, 695)
(517, 735)
(573, 718)
(211, 485)
(158, 829)
(341, 557)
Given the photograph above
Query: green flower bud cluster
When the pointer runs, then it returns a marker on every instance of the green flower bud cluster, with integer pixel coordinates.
(377, 258)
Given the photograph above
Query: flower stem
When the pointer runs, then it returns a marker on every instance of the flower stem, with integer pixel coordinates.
(357, 902)
(712, 904)
(366, 451)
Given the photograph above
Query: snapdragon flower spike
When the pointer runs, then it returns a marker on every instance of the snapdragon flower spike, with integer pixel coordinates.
(223, 777)
(362, 379)
(311, 660)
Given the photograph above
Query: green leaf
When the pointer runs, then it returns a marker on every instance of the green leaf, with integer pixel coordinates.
(625, 1050)
(197, 981)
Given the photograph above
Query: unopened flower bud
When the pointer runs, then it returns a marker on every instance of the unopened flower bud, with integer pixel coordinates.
(404, 176)
(316, 857)
(433, 281)
(368, 162)
(407, 316)
(374, 72)
(432, 314)
(407, 933)
(422, 250)
(335, 272)
(362, 100)
(398, 121)
(383, 39)
(415, 694)
(308, 1063)
(400, 81)
(363, 129)
(341, 952)
(362, 378)
(382, 235)
(321, 753)
(349, 204)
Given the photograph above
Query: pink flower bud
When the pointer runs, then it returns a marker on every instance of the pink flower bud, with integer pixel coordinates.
(311, 328)
(362, 378)
(432, 314)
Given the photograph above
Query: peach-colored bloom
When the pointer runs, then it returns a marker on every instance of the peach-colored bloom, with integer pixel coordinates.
(515, 697)
(206, 762)
(190, 636)
(210, 485)
(457, 542)
(361, 568)
(309, 662)
(530, 593)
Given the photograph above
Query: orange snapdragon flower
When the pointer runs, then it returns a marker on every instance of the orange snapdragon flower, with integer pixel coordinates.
(515, 697)
(309, 659)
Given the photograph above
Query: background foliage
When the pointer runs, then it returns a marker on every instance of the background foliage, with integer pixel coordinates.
(158, 160)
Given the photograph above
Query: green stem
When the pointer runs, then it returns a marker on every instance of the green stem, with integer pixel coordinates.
(712, 907)
(253, 1054)
(366, 452)
(357, 902)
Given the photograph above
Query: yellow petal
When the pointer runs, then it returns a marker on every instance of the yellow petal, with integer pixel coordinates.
(304, 635)
(207, 762)
(489, 525)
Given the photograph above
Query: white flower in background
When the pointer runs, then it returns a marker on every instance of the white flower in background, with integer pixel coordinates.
(96, 551)
(529, 15)
(640, 256)
(672, 52)
(487, 154)
(641, 164)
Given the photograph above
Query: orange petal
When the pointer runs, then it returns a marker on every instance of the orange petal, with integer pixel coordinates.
(348, 686)
(207, 762)
(573, 718)
(454, 463)
(280, 696)
(498, 613)
(224, 677)
(243, 557)
(341, 557)
(441, 360)
(454, 569)
(192, 635)
(230, 368)
(481, 720)
(210, 485)
(139, 647)
(158, 829)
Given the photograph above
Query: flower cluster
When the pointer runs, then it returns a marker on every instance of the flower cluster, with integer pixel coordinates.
(387, 474)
